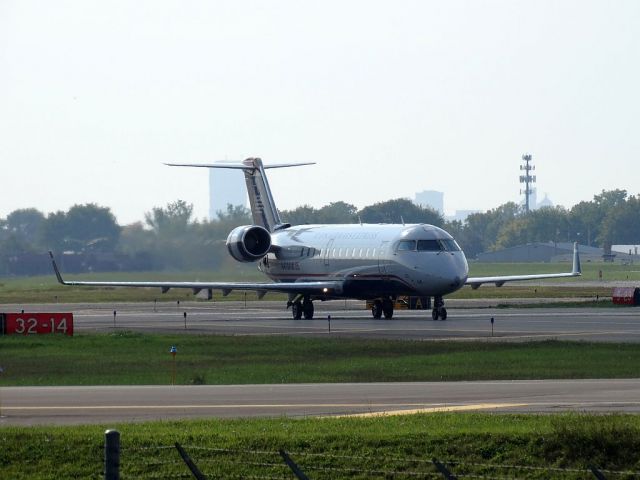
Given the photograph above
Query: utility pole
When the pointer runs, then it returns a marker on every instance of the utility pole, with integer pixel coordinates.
(527, 179)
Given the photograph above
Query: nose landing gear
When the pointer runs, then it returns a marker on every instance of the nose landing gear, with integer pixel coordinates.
(438, 312)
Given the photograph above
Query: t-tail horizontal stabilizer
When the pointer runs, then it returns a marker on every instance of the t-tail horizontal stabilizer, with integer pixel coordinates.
(576, 271)
(263, 207)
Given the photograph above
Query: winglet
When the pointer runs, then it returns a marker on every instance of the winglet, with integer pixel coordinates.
(577, 269)
(55, 269)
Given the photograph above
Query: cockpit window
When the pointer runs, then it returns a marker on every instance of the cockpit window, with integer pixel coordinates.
(451, 245)
(438, 245)
(429, 246)
(406, 245)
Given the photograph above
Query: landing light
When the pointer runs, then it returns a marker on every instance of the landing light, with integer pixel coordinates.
(325, 290)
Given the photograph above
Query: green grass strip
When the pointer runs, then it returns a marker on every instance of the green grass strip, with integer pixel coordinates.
(487, 445)
(127, 358)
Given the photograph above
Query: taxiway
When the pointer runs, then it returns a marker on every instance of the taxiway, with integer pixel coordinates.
(80, 405)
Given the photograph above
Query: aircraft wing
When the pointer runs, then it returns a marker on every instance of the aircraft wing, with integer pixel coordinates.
(302, 287)
(576, 271)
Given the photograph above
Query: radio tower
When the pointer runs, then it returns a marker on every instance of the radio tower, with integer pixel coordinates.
(527, 179)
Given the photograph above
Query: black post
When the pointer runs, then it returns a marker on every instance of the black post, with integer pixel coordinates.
(597, 473)
(292, 465)
(185, 319)
(114, 319)
(492, 326)
(111, 455)
(443, 470)
(329, 322)
(192, 466)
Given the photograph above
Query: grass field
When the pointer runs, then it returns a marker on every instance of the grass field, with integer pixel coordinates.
(142, 359)
(480, 445)
(45, 289)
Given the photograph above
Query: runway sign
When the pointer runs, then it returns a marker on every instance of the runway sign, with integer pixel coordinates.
(36, 323)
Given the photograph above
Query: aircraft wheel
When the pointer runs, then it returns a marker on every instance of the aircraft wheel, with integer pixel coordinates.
(443, 313)
(376, 309)
(307, 309)
(435, 314)
(296, 310)
(387, 308)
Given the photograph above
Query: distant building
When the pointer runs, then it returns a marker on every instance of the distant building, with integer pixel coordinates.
(628, 249)
(541, 252)
(432, 199)
(533, 201)
(226, 186)
(546, 202)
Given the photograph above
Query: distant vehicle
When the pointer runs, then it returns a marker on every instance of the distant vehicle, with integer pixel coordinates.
(325, 262)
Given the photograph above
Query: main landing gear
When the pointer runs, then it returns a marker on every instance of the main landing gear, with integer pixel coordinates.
(438, 312)
(382, 307)
(302, 308)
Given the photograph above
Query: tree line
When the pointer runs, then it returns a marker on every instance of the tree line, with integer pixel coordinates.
(88, 237)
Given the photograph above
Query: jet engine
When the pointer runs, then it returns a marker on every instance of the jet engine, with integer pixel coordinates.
(249, 243)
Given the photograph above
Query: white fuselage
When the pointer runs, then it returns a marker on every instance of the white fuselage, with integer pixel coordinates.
(372, 260)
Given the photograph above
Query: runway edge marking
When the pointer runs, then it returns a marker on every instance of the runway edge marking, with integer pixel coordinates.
(453, 408)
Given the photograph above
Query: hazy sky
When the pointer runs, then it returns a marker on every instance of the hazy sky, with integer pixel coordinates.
(390, 98)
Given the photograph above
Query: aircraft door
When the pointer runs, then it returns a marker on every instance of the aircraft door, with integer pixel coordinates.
(327, 252)
(383, 257)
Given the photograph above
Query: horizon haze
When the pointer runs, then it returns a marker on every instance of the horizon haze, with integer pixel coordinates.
(388, 98)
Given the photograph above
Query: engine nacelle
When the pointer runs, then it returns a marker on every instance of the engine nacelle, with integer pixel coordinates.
(249, 243)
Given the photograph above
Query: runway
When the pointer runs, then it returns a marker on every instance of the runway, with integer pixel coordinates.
(108, 405)
(468, 320)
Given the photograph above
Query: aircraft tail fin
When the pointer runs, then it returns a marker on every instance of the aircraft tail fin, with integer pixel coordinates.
(263, 208)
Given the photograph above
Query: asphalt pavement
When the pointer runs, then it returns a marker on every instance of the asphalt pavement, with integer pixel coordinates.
(467, 320)
(111, 404)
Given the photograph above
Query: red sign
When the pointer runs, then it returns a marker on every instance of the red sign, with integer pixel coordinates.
(38, 323)
(626, 295)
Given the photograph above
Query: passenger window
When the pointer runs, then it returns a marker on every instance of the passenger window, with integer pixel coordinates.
(406, 245)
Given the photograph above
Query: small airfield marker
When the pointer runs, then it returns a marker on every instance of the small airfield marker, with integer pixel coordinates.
(173, 351)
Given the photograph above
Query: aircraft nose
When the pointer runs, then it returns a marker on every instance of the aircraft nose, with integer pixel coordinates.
(460, 269)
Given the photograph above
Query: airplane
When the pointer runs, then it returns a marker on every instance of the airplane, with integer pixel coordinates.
(375, 262)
